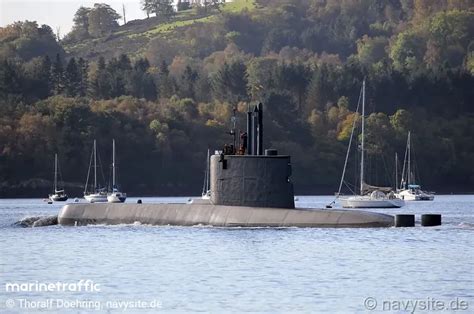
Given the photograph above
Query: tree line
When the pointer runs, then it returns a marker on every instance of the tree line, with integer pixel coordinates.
(165, 107)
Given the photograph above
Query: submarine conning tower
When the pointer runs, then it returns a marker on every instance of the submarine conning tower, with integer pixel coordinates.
(247, 176)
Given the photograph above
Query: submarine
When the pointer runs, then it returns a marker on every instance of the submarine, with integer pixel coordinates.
(250, 187)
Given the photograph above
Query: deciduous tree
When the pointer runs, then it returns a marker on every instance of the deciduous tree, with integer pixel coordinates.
(102, 20)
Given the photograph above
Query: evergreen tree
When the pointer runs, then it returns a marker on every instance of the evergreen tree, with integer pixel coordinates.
(43, 79)
(318, 89)
(142, 65)
(72, 78)
(230, 82)
(99, 86)
(188, 82)
(124, 63)
(57, 76)
(83, 67)
(166, 86)
(149, 87)
(10, 79)
(118, 71)
(141, 83)
(164, 68)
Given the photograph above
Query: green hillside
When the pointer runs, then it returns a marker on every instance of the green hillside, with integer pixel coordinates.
(134, 37)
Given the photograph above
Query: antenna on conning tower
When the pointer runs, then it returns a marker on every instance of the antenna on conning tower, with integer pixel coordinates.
(233, 121)
(255, 130)
(251, 142)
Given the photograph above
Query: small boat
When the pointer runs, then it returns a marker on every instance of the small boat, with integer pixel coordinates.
(58, 195)
(115, 196)
(97, 194)
(370, 196)
(376, 199)
(410, 191)
(413, 192)
(206, 187)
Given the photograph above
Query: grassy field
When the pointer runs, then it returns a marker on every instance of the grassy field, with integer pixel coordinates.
(239, 5)
(171, 26)
(146, 30)
(186, 18)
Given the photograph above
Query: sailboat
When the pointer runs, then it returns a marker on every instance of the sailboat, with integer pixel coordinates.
(58, 195)
(410, 191)
(97, 194)
(370, 196)
(115, 196)
(206, 188)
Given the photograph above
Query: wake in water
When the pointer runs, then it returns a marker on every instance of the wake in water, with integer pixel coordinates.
(468, 225)
(37, 221)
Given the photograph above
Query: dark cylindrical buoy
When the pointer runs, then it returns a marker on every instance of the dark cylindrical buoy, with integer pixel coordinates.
(430, 220)
(139, 201)
(404, 220)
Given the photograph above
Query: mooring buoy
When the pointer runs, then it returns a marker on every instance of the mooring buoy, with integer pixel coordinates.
(430, 220)
(404, 220)
(139, 201)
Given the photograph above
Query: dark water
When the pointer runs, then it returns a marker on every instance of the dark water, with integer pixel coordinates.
(236, 269)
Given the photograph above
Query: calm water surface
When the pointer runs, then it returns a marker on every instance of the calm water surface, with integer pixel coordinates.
(237, 269)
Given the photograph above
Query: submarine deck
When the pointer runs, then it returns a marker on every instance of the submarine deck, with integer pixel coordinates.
(218, 216)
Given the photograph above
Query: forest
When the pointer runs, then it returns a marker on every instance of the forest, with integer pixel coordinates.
(165, 89)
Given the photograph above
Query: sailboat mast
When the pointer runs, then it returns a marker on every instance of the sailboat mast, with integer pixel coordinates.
(55, 172)
(396, 172)
(403, 183)
(95, 166)
(409, 158)
(208, 174)
(362, 142)
(205, 186)
(113, 163)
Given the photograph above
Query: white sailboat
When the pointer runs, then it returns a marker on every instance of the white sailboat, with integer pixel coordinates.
(97, 194)
(370, 196)
(409, 191)
(58, 195)
(115, 196)
(206, 188)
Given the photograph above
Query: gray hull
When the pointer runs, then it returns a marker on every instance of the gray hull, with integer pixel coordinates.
(218, 216)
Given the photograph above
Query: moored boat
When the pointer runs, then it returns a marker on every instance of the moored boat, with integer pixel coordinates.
(115, 196)
(370, 196)
(97, 194)
(58, 195)
(410, 191)
(373, 200)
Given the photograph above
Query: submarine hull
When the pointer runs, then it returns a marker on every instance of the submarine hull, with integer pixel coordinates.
(218, 216)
